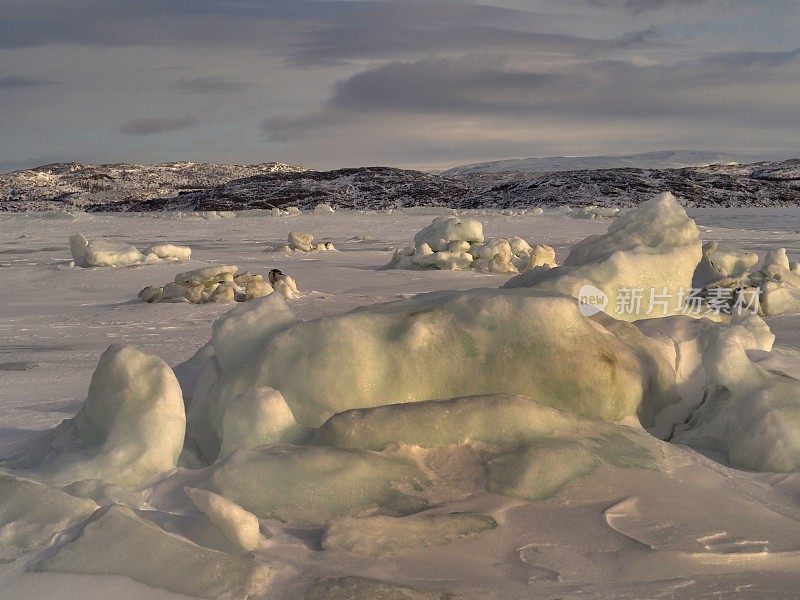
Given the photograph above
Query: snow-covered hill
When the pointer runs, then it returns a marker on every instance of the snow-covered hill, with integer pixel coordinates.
(665, 159)
(197, 186)
(93, 186)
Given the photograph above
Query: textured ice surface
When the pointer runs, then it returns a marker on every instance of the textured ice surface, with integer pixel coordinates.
(387, 536)
(120, 542)
(526, 342)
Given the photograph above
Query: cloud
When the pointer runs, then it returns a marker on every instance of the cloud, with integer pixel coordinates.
(645, 5)
(303, 32)
(723, 87)
(155, 125)
(212, 85)
(17, 81)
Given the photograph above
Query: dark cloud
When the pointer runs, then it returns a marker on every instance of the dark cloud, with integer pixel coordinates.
(17, 81)
(156, 125)
(644, 5)
(485, 88)
(400, 81)
(212, 85)
(304, 32)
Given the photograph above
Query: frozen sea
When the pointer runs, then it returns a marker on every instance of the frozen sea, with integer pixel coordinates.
(623, 537)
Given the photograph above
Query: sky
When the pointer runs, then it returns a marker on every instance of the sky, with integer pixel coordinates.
(409, 83)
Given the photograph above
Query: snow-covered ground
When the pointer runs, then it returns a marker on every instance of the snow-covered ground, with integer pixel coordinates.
(679, 525)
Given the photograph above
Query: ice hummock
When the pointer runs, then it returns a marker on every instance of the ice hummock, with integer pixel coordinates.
(458, 244)
(653, 247)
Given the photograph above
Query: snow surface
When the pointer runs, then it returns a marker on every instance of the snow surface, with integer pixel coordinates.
(583, 508)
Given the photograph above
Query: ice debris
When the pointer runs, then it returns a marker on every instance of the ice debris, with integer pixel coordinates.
(105, 253)
(454, 243)
(220, 284)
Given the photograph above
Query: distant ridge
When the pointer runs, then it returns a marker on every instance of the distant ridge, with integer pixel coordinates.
(202, 186)
(663, 159)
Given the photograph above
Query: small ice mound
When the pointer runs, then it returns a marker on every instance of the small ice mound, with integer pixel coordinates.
(384, 537)
(222, 285)
(323, 209)
(751, 414)
(216, 214)
(169, 252)
(594, 212)
(721, 261)
(651, 251)
(120, 542)
(293, 211)
(129, 431)
(284, 284)
(358, 588)
(239, 526)
(541, 255)
(456, 244)
(304, 242)
(444, 230)
(311, 485)
(724, 277)
(103, 253)
(32, 513)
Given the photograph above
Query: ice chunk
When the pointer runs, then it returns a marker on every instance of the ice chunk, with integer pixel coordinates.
(120, 542)
(301, 241)
(32, 513)
(103, 253)
(287, 287)
(541, 255)
(527, 342)
(323, 209)
(170, 252)
(494, 257)
(240, 527)
(444, 230)
(257, 288)
(445, 260)
(308, 484)
(257, 417)
(720, 262)
(200, 275)
(384, 537)
(778, 258)
(499, 420)
(129, 430)
(654, 248)
(151, 294)
(752, 415)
